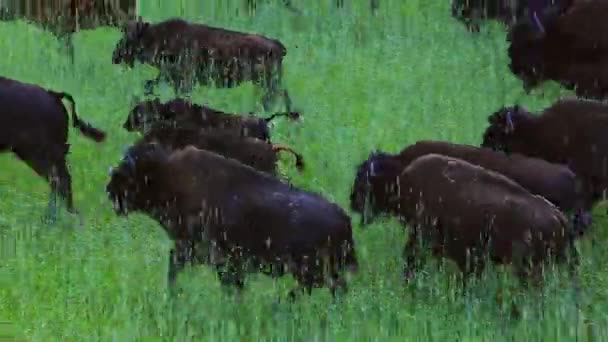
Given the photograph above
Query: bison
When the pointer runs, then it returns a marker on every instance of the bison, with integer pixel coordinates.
(239, 220)
(63, 18)
(252, 4)
(509, 12)
(254, 152)
(556, 182)
(187, 52)
(463, 212)
(570, 132)
(34, 126)
(571, 50)
(182, 113)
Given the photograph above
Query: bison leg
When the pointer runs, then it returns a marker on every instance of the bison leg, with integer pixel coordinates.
(412, 256)
(294, 293)
(67, 43)
(52, 166)
(178, 257)
(273, 85)
(374, 5)
(231, 275)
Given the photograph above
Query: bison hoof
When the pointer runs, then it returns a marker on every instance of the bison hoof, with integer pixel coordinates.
(149, 88)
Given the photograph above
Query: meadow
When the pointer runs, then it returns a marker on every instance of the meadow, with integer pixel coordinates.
(361, 83)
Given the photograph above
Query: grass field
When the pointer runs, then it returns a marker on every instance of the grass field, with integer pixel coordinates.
(361, 83)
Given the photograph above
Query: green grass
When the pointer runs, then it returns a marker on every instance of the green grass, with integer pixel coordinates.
(362, 83)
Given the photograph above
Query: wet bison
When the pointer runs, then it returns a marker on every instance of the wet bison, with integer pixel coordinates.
(463, 212)
(34, 126)
(571, 131)
(183, 113)
(471, 12)
(186, 53)
(571, 50)
(256, 153)
(235, 218)
(557, 183)
(63, 18)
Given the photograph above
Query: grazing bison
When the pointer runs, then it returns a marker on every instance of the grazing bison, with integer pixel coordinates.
(571, 132)
(463, 212)
(470, 12)
(235, 218)
(187, 52)
(66, 17)
(571, 50)
(557, 183)
(182, 113)
(256, 153)
(34, 126)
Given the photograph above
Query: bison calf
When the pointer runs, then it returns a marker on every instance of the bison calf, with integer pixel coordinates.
(235, 218)
(187, 52)
(34, 126)
(570, 132)
(463, 211)
(556, 182)
(183, 113)
(254, 152)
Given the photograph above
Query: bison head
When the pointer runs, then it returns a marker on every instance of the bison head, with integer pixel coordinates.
(131, 185)
(130, 47)
(371, 186)
(143, 114)
(502, 124)
(528, 41)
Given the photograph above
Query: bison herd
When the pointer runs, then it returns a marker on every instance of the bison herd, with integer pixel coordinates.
(210, 178)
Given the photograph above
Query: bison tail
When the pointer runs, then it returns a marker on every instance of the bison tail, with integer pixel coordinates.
(290, 115)
(299, 158)
(84, 127)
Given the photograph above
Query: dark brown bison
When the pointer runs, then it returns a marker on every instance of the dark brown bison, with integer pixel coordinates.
(235, 218)
(572, 50)
(556, 182)
(570, 132)
(183, 113)
(256, 153)
(252, 4)
(463, 212)
(66, 17)
(34, 126)
(186, 53)
(471, 12)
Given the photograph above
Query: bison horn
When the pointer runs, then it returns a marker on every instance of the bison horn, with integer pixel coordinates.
(372, 169)
(110, 171)
(510, 125)
(130, 160)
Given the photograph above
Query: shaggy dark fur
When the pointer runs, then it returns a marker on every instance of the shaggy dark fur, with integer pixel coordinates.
(183, 113)
(34, 126)
(463, 212)
(187, 53)
(570, 132)
(256, 153)
(235, 218)
(572, 50)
